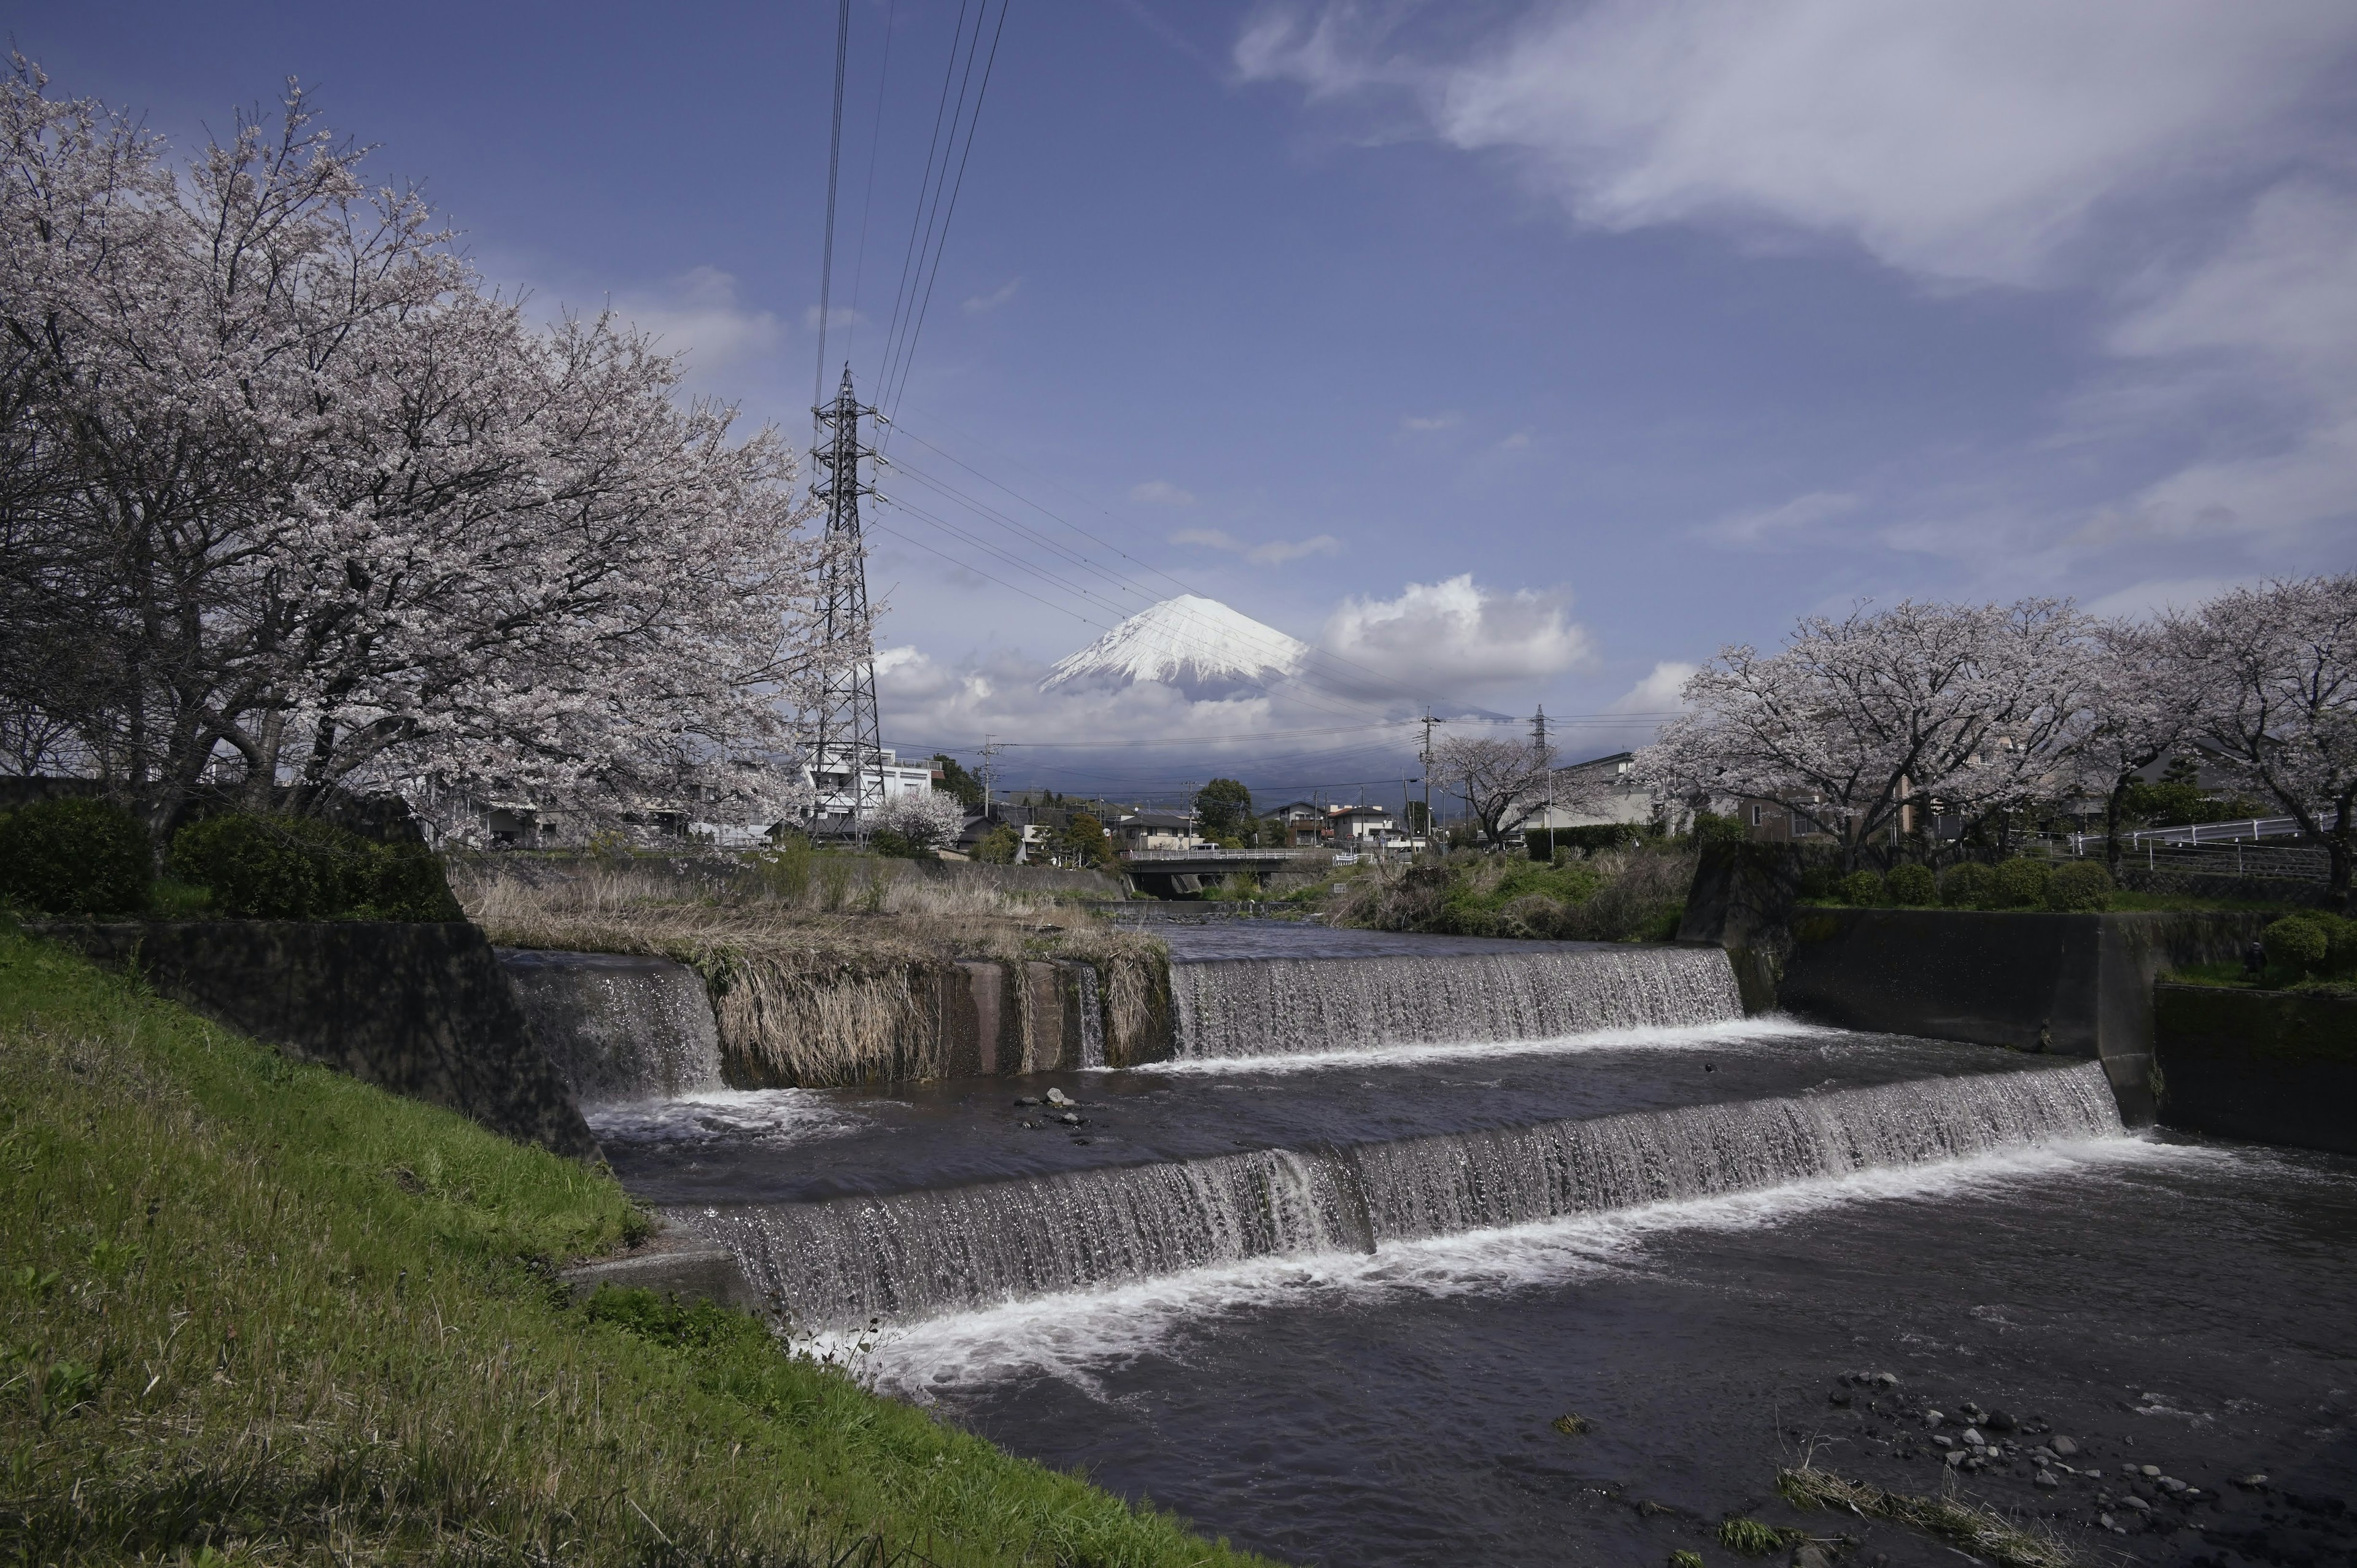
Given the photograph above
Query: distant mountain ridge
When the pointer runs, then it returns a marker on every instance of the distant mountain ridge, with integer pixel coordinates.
(1197, 646)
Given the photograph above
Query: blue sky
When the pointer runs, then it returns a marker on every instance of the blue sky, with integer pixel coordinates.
(1514, 352)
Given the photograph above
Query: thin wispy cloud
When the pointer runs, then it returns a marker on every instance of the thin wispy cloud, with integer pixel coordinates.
(1267, 553)
(984, 304)
(1160, 492)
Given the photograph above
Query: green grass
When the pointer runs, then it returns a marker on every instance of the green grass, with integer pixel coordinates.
(2235, 977)
(255, 1312)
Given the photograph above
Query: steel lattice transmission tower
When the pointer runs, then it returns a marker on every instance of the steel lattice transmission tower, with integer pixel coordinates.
(845, 737)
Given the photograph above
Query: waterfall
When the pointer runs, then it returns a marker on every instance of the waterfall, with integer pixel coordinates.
(1091, 1018)
(1476, 1181)
(1251, 1007)
(914, 1254)
(619, 1027)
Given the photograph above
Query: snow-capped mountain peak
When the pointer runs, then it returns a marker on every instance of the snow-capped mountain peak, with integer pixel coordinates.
(1198, 645)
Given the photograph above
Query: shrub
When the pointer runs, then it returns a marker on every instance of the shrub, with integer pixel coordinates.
(75, 857)
(1911, 886)
(2340, 939)
(298, 868)
(2078, 886)
(2020, 884)
(2297, 943)
(1966, 887)
(997, 846)
(1862, 887)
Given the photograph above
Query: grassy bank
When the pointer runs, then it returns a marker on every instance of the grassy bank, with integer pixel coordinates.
(258, 1311)
(1621, 895)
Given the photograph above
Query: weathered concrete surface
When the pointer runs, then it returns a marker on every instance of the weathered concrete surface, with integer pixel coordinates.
(673, 1263)
(1742, 899)
(619, 1027)
(422, 1010)
(2275, 1067)
(2077, 985)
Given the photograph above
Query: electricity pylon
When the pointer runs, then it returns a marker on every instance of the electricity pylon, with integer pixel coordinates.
(846, 735)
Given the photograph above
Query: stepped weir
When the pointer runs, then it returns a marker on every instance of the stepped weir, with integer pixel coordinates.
(915, 1254)
(1251, 1007)
(1611, 1108)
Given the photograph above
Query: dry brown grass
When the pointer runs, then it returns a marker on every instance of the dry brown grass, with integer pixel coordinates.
(822, 969)
(1975, 1526)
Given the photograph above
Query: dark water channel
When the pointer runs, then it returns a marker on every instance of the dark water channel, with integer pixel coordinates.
(1330, 1306)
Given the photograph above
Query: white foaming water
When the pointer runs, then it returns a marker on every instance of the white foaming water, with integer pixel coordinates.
(1719, 1034)
(1073, 1337)
(1092, 1017)
(934, 1251)
(1259, 1007)
(763, 1115)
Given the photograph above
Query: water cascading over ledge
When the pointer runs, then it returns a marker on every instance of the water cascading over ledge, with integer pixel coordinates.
(1254, 1007)
(620, 1027)
(921, 1254)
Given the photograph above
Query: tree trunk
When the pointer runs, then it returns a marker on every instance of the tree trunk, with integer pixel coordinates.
(2112, 808)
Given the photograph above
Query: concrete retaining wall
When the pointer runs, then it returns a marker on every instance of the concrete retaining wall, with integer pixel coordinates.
(421, 1009)
(2276, 1067)
(2076, 985)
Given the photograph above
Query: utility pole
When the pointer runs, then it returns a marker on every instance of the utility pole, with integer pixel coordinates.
(1426, 759)
(844, 723)
(989, 769)
(1546, 774)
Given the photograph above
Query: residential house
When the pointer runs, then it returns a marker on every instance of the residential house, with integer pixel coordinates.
(1156, 830)
(1363, 827)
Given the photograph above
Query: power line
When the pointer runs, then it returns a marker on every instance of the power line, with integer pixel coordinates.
(910, 352)
(868, 200)
(924, 183)
(833, 168)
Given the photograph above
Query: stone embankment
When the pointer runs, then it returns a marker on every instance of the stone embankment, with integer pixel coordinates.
(422, 1010)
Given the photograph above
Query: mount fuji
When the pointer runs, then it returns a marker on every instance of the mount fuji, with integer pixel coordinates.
(1198, 646)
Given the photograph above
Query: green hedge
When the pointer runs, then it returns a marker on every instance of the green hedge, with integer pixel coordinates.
(74, 857)
(298, 868)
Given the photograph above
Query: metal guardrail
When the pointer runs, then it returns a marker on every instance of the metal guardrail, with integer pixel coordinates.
(1149, 856)
(2238, 858)
(2233, 831)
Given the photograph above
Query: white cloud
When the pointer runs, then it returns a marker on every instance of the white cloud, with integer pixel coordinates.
(1774, 524)
(698, 316)
(2269, 318)
(1658, 692)
(837, 318)
(2141, 599)
(1420, 424)
(1454, 636)
(1160, 492)
(982, 304)
(1960, 141)
(2186, 164)
(1273, 552)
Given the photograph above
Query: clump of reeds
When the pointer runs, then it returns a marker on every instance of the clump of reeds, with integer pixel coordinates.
(1975, 1526)
(824, 967)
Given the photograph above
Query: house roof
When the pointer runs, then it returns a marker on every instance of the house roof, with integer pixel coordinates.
(1157, 820)
(1362, 811)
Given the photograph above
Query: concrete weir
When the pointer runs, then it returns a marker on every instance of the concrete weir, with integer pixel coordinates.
(2079, 985)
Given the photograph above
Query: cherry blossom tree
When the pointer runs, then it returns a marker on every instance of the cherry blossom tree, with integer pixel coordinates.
(2283, 708)
(298, 495)
(1500, 780)
(927, 820)
(1969, 707)
(2145, 699)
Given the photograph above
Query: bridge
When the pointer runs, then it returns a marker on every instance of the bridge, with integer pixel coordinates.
(1171, 873)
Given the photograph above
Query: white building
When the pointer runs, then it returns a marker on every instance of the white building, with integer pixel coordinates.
(1602, 792)
(885, 777)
